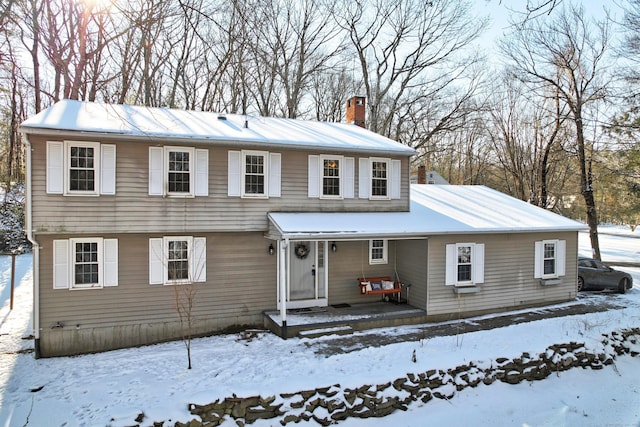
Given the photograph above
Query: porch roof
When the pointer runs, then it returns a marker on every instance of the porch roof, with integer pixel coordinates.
(435, 210)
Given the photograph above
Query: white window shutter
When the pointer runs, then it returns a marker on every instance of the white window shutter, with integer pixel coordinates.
(156, 261)
(364, 178)
(156, 171)
(108, 169)
(396, 178)
(199, 262)
(313, 182)
(561, 255)
(348, 177)
(450, 276)
(478, 263)
(275, 174)
(538, 260)
(61, 264)
(110, 264)
(234, 178)
(55, 166)
(202, 173)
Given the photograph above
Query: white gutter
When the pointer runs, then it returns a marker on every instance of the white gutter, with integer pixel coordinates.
(28, 224)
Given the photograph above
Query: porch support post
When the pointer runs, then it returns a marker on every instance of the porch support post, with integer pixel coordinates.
(282, 254)
(325, 262)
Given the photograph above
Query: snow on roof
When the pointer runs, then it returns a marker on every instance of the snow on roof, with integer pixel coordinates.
(69, 116)
(435, 209)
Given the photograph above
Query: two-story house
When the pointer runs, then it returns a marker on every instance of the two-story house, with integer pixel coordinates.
(127, 204)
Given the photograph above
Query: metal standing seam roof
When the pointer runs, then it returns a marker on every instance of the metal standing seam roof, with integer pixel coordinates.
(435, 210)
(138, 122)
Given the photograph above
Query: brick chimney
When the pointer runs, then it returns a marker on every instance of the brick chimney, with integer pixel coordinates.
(422, 174)
(356, 110)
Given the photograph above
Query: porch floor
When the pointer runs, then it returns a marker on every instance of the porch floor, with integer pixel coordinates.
(349, 317)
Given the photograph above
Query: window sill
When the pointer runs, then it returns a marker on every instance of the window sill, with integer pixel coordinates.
(466, 289)
(84, 288)
(81, 194)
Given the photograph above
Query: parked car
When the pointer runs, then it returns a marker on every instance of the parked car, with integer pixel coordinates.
(597, 275)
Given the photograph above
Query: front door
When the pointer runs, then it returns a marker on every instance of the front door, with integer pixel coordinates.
(303, 271)
(306, 287)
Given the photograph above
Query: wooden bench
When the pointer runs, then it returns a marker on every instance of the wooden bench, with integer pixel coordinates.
(368, 290)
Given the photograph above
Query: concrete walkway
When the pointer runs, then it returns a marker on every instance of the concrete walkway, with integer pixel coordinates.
(587, 303)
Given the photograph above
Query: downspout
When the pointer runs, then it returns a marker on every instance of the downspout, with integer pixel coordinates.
(35, 246)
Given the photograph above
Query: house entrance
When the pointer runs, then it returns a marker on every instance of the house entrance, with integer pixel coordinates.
(306, 276)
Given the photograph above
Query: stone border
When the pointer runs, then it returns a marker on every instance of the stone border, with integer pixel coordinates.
(330, 405)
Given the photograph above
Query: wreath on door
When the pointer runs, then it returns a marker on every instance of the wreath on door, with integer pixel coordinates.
(301, 250)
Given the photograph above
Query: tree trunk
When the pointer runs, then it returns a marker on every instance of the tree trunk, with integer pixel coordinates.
(586, 184)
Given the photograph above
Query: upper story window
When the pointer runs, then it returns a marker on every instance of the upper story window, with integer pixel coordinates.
(81, 168)
(331, 180)
(379, 178)
(464, 264)
(83, 160)
(178, 171)
(85, 263)
(378, 251)
(253, 174)
(550, 258)
(331, 177)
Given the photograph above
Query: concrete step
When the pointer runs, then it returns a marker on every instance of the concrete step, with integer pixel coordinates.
(333, 330)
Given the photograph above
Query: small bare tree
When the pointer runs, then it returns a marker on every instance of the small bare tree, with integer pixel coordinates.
(185, 297)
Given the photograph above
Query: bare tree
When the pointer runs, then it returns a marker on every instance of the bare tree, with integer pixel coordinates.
(566, 55)
(528, 133)
(406, 50)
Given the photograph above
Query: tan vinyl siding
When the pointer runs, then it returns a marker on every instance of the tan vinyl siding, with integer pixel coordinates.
(132, 210)
(351, 262)
(508, 275)
(241, 283)
(412, 269)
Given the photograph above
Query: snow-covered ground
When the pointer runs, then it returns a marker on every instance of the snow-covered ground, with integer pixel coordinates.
(111, 389)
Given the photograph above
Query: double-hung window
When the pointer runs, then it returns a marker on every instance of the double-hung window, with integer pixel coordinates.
(331, 177)
(464, 264)
(176, 260)
(85, 263)
(550, 258)
(253, 174)
(178, 171)
(254, 178)
(379, 178)
(81, 168)
(83, 160)
(378, 251)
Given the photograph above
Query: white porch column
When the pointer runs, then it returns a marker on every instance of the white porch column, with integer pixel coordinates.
(283, 246)
(325, 262)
